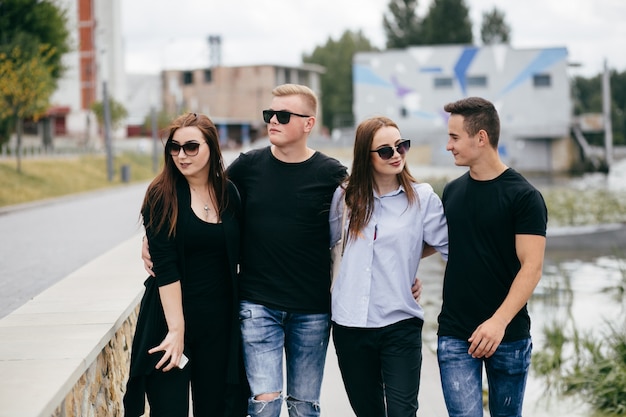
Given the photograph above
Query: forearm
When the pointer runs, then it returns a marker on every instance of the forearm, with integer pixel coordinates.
(172, 301)
(520, 292)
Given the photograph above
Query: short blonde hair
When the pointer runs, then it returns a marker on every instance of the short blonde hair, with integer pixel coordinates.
(309, 96)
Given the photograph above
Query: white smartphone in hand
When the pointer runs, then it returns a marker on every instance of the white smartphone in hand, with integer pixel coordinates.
(183, 361)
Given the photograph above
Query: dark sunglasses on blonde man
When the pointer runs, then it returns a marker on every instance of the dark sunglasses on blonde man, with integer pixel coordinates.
(283, 116)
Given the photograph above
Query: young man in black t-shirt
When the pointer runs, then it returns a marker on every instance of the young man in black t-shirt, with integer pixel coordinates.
(497, 228)
(286, 190)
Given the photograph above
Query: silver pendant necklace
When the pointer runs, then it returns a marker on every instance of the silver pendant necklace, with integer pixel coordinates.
(206, 205)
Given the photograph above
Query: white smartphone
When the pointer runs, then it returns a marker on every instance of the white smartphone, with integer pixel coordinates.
(183, 361)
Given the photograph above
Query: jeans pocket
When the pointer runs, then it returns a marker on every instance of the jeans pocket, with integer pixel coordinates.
(245, 314)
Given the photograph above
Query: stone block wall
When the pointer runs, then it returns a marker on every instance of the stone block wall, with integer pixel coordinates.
(99, 391)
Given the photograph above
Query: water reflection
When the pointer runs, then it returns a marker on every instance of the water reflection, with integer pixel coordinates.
(579, 290)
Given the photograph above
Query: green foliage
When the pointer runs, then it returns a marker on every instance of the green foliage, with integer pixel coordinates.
(163, 121)
(587, 97)
(118, 112)
(26, 83)
(595, 371)
(574, 207)
(494, 29)
(447, 22)
(402, 25)
(336, 57)
(30, 24)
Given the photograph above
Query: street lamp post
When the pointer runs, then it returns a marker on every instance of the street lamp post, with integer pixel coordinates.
(107, 130)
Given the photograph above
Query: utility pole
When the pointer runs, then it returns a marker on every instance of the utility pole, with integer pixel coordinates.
(606, 111)
(107, 130)
(155, 160)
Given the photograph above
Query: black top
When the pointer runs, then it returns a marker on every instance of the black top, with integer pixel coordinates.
(286, 239)
(184, 258)
(483, 219)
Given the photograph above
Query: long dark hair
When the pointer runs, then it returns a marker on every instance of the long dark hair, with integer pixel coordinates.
(360, 186)
(160, 204)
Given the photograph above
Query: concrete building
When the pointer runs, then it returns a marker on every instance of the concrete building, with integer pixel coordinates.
(98, 55)
(530, 88)
(233, 97)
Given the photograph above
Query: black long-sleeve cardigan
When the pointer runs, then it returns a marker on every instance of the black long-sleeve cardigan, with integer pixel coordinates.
(151, 325)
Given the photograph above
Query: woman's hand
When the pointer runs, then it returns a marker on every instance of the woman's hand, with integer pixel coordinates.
(174, 343)
(416, 289)
(172, 347)
(145, 256)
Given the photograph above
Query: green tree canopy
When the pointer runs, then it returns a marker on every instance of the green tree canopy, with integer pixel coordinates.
(494, 29)
(28, 27)
(336, 57)
(26, 84)
(402, 25)
(587, 97)
(118, 112)
(447, 22)
(32, 23)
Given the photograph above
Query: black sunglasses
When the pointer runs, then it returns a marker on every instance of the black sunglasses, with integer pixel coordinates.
(283, 116)
(190, 148)
(386, 152)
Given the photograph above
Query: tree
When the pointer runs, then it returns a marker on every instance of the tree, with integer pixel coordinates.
(447, 22)
(336, 57)
(26, 84)
(494, 29)
(163, 121)
(402, 25)
(587, 97)
(118, 112)
(31, 25)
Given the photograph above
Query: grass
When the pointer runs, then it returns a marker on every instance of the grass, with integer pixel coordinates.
(596, 371)
(43, 178)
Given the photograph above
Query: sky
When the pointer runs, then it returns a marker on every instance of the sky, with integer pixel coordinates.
(162, 34)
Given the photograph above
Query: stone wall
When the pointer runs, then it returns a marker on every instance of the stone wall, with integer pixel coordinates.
(99, 391)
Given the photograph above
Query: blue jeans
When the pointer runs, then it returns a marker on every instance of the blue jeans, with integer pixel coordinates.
(461, 377)
(304, 337)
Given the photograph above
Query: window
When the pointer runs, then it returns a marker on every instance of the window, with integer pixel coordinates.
(542, 80)
(443, 82)
(208, 75)
(187, 77)
(476, 81)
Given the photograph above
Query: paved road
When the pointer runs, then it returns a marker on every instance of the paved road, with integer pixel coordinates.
(41, 243)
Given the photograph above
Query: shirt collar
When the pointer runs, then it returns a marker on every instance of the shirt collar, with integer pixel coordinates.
(399, 190)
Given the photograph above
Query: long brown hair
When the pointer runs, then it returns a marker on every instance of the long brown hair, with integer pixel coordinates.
(160, 204)
(360, 187)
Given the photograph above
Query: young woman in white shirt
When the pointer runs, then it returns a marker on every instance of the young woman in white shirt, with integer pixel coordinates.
(377, 324)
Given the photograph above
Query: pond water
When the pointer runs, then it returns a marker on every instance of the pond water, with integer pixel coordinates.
(577, 289)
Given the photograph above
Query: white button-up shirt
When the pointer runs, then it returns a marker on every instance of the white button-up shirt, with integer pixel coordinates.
(373, 288)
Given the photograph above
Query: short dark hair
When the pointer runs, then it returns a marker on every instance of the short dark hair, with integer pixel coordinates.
(479, 114)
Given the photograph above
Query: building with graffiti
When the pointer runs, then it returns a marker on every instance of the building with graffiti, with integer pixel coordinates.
(530, 88)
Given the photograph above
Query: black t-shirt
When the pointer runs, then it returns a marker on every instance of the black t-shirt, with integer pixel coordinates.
(285, 248)
(483, 219)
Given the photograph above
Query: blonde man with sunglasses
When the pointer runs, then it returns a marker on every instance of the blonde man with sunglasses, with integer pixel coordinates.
(286, 190)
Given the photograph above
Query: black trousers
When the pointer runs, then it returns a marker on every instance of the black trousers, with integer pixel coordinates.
(381, 367)
(207, 343)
